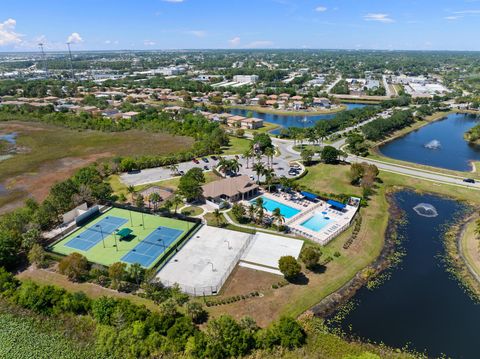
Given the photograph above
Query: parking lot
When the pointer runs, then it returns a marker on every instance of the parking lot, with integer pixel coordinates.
(152, 175)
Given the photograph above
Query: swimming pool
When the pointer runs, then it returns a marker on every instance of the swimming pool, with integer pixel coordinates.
(316, 222)
(270, 205)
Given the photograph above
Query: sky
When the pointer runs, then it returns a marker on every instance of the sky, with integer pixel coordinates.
(239, 24)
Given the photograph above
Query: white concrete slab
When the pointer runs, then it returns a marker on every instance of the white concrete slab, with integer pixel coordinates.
(267, 249)
(192, 266)
(260, 268)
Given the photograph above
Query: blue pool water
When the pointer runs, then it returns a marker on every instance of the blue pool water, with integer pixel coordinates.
(286, 211)
(316, 223)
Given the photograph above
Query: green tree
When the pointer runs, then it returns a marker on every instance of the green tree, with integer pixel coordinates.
(139, 201)
(38, 256)
(278, 216)
(135, 273)
(218, 216)
(155, 199)
(117, 273)
(196, 312)
(307, 156)
(74, 266)
(310, 257)
(258, 168)
(329, 154)
(289, 267)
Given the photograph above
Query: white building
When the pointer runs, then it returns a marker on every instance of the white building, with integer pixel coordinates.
(245, 78)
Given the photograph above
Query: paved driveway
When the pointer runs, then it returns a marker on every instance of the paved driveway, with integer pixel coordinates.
(151, 175)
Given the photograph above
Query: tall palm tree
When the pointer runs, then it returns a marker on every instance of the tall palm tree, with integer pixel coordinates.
(155, 199)
(223, 165)
(269, 152)
(234, 165)
(251, 212)
(177, 201)
(277, 215)
(258, 168)
(248, 154)
(260, 215)
(131, 192)
(269, 175)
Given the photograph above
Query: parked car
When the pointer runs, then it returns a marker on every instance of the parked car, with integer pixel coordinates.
(213, 157)
(206, 168)
(469, 180)
(205, 159)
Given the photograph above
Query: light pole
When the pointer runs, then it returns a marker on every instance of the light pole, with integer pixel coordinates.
(101, 232)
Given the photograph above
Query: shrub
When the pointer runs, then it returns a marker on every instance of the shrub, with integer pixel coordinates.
(289, 267)
(74, 266)
(38, 256)
(310, 256)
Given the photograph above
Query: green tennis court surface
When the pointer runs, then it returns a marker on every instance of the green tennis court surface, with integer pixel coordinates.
(103, 240)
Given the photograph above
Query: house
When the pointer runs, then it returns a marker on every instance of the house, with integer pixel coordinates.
(321, 102)
(245, 78)
(230, 189)
(235, 121)
(130, 115)
(251, 123)
(111, 113)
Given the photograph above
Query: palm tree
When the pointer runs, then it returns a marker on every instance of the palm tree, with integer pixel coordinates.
(155, 199)
(269, 152)
(131, 192)
(321, 133)
(269, 175)
(251, 212)
(177, 201)
(234, 165)
(223, 165)
(279, 218)
(258, 168)
(173, 168)
(218, 215)
(260, 215)
(248, 154)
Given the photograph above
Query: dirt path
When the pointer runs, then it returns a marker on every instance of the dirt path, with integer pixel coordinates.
(469, 248)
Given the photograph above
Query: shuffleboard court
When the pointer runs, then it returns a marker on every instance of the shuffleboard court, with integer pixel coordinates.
(149, 249)
(94, 234)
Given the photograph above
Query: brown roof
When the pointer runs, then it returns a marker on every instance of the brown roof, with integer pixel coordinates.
(228, 187)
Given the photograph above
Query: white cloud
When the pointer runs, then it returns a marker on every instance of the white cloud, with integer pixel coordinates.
(198, 33)
(259, 44)
(234, 41)
(320, 9)
(453, 17)
(110, 42)
(467, 12)
(379, 17)
(149, 43)
(7, 33)
(74, 38)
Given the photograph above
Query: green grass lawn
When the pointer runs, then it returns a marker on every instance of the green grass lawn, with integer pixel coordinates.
(323, 178)
(111, 254)
(237, 146)
(192, 211)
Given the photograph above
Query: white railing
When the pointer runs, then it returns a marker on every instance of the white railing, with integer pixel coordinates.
(213, 289)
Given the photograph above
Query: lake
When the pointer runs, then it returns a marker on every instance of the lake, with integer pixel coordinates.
(286, 121)
(439, 144)
(421, 304)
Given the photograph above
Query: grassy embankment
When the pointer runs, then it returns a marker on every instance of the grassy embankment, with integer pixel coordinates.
(48, 154)
(375, 153)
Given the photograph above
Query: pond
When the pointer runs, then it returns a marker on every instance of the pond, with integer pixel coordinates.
(9, 137)
(439, 144)
(420, 304)
(292, 120)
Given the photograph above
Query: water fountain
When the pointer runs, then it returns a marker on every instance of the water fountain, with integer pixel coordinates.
(425, 210)
(433, 145)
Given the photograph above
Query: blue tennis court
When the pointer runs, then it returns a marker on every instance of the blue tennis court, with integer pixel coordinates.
(94, 234)
(149, 249)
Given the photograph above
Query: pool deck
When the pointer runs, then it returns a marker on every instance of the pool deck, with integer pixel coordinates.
(340, 221)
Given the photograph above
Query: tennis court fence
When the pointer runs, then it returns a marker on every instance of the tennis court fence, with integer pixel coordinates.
(214, 289)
